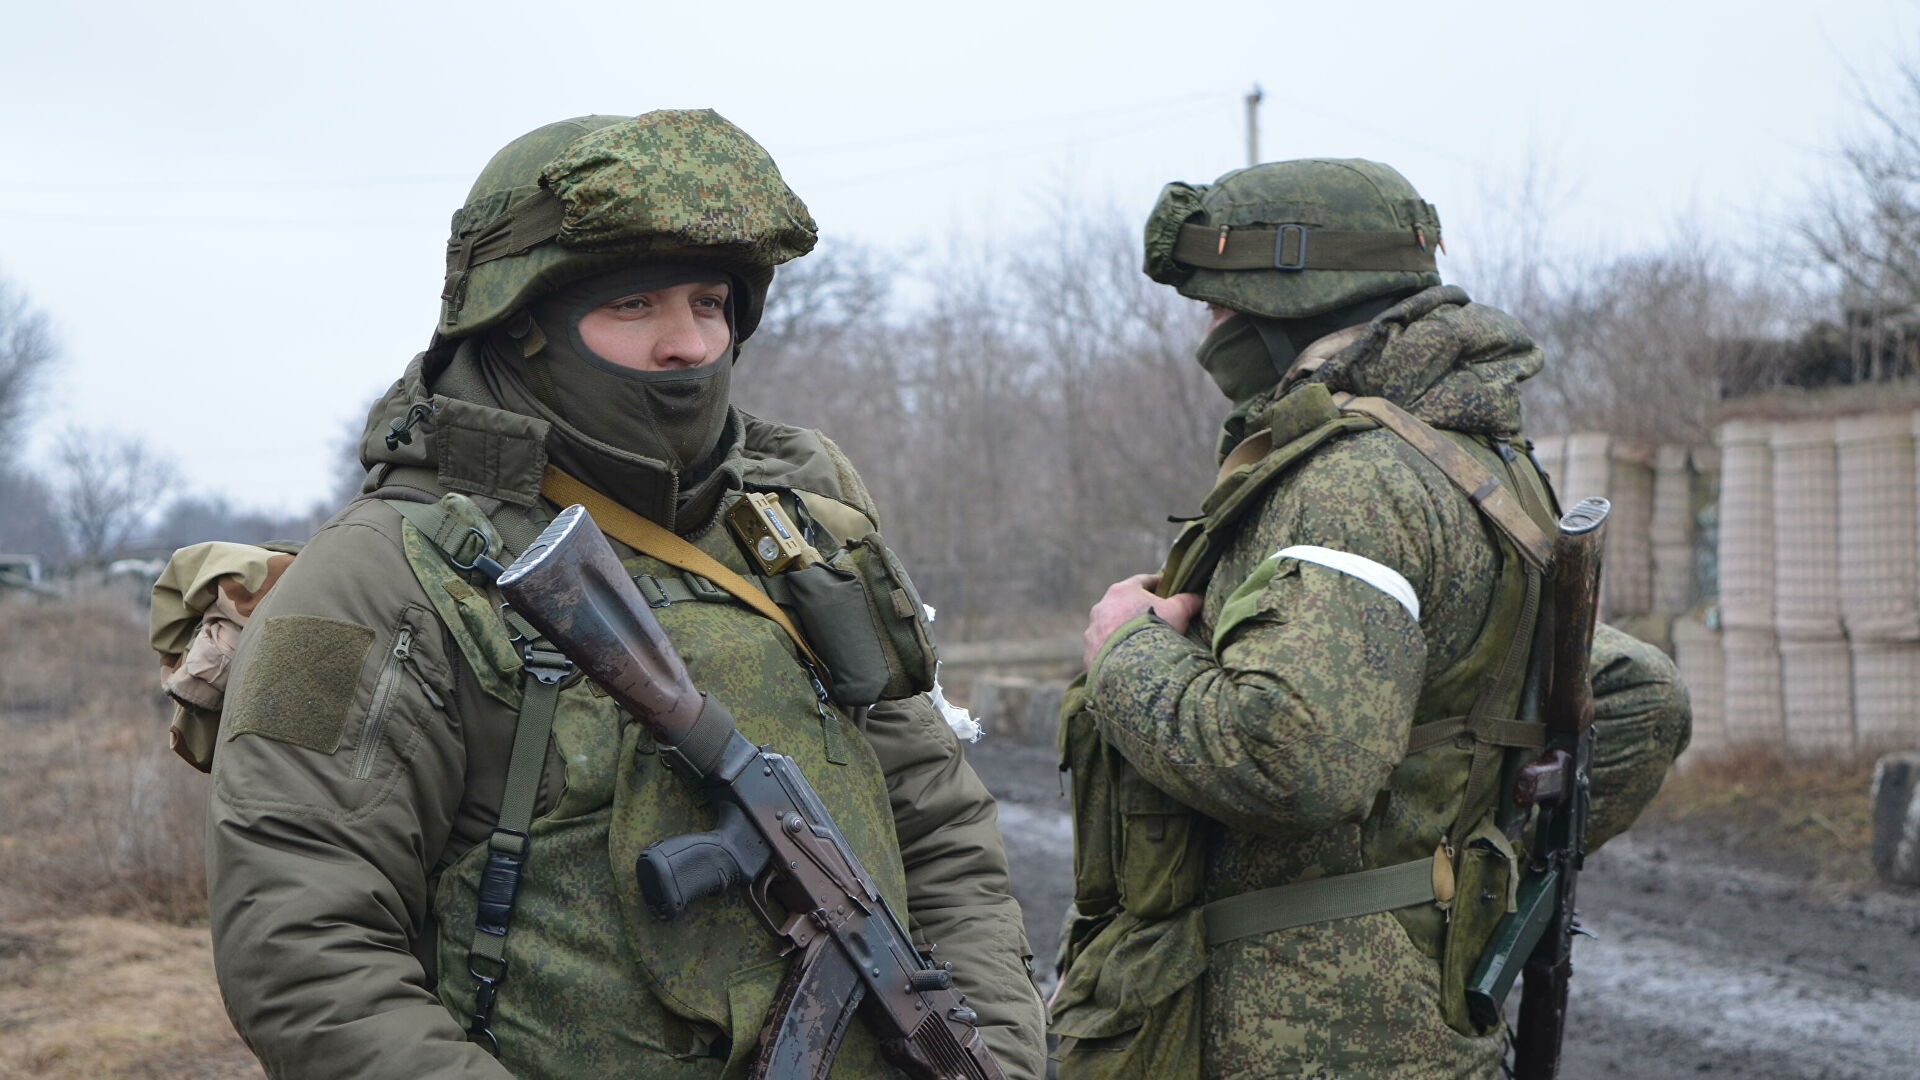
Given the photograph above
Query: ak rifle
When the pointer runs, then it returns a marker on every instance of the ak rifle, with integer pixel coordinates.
(772, 835)
(1536, 940)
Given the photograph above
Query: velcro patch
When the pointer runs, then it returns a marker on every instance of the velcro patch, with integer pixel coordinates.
(300, 681)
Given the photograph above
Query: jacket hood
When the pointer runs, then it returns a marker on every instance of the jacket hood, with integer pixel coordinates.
(1449, 361)
(442, 439)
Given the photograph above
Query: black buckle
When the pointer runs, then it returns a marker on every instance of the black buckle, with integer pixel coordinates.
(545, 665)
(486, 990)
(499, 885)
(487, 565)
(1280, 245)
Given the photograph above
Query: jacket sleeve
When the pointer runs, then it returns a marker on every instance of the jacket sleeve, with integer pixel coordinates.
(1642, 721)
(334, 783)
(1291, 718)
(957, 890)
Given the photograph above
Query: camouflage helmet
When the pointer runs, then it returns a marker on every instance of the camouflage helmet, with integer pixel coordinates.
(1290, 239)
(595, 193)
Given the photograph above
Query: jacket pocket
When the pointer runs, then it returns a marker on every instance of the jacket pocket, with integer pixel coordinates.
(1129, 1006)
(398, 670)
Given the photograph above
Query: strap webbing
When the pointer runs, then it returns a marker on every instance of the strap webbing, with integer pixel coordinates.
(508, 845)
(1483, 489)
(1520, 733)
(1284, 907)
(1299, 247)
(650, 538)
(533, 220)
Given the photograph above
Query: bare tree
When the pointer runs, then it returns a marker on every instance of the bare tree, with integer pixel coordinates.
(111, 487)
(27, 351)
(1865, 230)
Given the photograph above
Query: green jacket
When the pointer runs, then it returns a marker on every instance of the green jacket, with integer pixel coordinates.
(1288, 727)
(355, 775)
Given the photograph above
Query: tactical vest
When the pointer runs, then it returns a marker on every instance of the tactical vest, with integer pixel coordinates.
(574, 939)
(1130, 1002)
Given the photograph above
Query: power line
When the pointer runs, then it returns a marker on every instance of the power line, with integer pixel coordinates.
(1156, 105)
(1004, 153)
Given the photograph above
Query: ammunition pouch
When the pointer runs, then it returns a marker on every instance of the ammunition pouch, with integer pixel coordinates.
(1129, 1004)
(863, 617)
(1486, 884)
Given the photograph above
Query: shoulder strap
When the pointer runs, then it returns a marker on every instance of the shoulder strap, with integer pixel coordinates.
(1482, 488)
(650, 538)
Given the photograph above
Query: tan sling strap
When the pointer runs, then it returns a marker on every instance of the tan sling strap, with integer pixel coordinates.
(1482, 488)
(1301, 247)
(649, 538)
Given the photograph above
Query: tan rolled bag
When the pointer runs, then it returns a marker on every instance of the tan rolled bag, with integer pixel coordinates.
(201, 602)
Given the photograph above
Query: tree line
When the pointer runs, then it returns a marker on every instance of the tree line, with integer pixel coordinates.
(1027, 413)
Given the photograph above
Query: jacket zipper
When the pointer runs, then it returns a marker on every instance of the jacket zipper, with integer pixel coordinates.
(383, 692)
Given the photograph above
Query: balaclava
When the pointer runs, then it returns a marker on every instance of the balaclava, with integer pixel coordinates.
(648, 439)
(1248, 354)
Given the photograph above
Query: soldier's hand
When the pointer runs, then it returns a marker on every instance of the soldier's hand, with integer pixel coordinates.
(1129, 599)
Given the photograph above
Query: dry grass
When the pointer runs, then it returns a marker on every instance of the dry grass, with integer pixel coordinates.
(102, 818)
(1807, 816)
(100, 996)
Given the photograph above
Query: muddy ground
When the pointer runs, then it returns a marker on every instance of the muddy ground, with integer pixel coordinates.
(1708, 961)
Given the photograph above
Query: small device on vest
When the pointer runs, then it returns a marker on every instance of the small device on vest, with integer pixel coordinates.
(769, 535)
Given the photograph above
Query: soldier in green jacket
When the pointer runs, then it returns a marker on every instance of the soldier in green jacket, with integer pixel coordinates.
(1325, 678)
(370, 816)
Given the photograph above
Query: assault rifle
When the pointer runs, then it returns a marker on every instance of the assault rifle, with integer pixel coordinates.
(773, 834)
(1539, 934)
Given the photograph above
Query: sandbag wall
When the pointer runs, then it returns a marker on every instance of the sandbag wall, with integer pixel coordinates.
(1818, 635)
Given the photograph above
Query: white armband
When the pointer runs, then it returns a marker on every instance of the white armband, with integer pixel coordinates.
(1385, 578)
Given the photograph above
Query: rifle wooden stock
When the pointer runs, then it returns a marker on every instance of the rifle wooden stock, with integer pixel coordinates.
(572, 588)
(773, 833)
(1560, 834)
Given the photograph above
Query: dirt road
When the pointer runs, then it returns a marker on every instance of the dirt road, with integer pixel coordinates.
(1703, 965)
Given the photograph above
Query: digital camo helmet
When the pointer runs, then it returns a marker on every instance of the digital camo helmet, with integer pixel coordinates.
(1291, 239)
(597, 193)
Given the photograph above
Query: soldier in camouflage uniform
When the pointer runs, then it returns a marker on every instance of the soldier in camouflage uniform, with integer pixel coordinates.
(601, 278)
(1325, 680)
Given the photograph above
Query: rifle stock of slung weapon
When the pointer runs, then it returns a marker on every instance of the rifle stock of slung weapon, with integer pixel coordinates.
(772, 835)
(1539, 933)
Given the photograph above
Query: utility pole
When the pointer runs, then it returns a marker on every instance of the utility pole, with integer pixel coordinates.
(1253, 125)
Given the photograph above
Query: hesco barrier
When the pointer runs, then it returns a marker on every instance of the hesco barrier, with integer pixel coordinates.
(1816, 696)
(1746, 527)
(1752, 701)
(1879, 542)
(1672, 529)
(1620, 471)
(1703, 667)
(1806, 517)
(1886, 695)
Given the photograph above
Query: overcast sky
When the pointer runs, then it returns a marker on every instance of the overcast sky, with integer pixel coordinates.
(235, 213)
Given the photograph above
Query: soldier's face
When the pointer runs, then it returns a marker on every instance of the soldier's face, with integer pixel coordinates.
(1217, 315)
(680, 326)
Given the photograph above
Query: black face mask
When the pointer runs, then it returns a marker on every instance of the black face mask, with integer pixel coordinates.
(675, 417)
(1248, 355)
(1245, 355)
